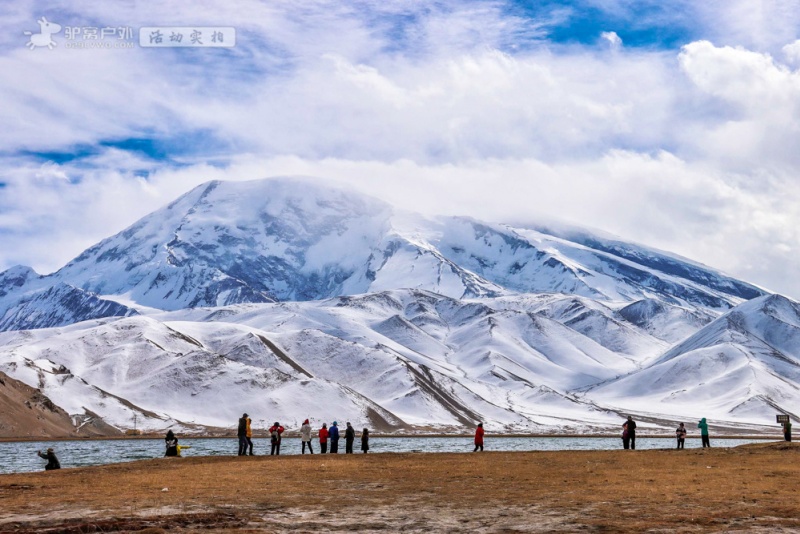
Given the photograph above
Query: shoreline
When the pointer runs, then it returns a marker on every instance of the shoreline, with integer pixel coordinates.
(762, 437)
(742, 489)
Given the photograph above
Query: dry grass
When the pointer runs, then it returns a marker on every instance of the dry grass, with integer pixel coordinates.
(743, 489)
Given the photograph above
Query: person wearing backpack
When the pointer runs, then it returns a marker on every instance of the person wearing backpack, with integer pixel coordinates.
(680, 433)
(275, 432)
(349, 438)
(305, 437)
(323, 438)
(333, 433)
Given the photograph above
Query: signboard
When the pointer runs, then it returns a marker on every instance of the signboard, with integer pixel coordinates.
(782, 418)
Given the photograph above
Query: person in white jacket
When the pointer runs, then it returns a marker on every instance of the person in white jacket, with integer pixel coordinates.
(305, 437)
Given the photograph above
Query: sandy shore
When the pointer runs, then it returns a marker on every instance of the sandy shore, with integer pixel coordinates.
(744, 489)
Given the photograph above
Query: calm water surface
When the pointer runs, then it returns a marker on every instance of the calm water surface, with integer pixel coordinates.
(21, 456)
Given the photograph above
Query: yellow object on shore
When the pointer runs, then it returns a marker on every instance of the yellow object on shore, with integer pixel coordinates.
(181, 447)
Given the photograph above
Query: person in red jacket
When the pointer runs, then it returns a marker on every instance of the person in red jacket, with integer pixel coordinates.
(323, 438)
(275, 432)
(479, 438)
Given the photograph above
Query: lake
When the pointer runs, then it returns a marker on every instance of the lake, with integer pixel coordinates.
(18, 457)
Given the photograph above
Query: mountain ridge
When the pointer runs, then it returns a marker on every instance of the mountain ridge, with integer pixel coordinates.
(313, 300)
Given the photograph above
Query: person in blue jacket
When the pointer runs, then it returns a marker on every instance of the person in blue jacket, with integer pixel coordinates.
(333, 435)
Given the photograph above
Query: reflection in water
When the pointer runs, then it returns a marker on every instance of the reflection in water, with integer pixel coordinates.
(21, 456)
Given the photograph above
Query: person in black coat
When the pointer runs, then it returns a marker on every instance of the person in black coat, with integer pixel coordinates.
(171, 443)
(631, 427)
(241, 432)
(52, 461)
(349, 438)
(364, 440)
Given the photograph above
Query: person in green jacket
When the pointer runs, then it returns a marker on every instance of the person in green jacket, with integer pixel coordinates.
(703, 426)
(787, 431)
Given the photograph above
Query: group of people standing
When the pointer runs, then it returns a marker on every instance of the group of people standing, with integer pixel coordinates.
(629, 433)
(324, 434)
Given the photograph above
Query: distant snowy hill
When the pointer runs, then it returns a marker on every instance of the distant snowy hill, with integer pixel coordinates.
(744, 365)
(288, 299)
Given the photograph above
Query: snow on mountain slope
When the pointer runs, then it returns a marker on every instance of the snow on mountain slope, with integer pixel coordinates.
(665, 321)
(593, 319)
(358, 358)
(139, 365)
(295, 240)
(58, 305)
(744, 365)
(655, 260)
(287, 298)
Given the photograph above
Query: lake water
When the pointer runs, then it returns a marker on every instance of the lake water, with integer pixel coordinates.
(17, 457)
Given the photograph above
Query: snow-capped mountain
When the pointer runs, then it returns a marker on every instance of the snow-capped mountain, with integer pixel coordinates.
(287, 299)
(288, 240)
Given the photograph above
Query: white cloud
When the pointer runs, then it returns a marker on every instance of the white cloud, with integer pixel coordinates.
(693, 152)
(613, 40)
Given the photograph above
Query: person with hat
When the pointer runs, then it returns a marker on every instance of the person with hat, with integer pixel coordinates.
(241, 432)
(52, 461)
(323, 438)
(305, 437)
(703, 426)
(333, 434)
(275, 432)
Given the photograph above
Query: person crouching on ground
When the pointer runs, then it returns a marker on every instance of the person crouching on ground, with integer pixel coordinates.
(479, 438)
(171, 442)
(52, 461)
(305, 437)
(365, 440)
(323, 438)
(275, 432)
(680, 433)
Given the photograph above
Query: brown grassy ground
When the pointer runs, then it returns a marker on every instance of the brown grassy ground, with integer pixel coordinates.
(747, 489)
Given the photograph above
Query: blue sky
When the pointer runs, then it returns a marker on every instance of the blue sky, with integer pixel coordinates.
(670, 123)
